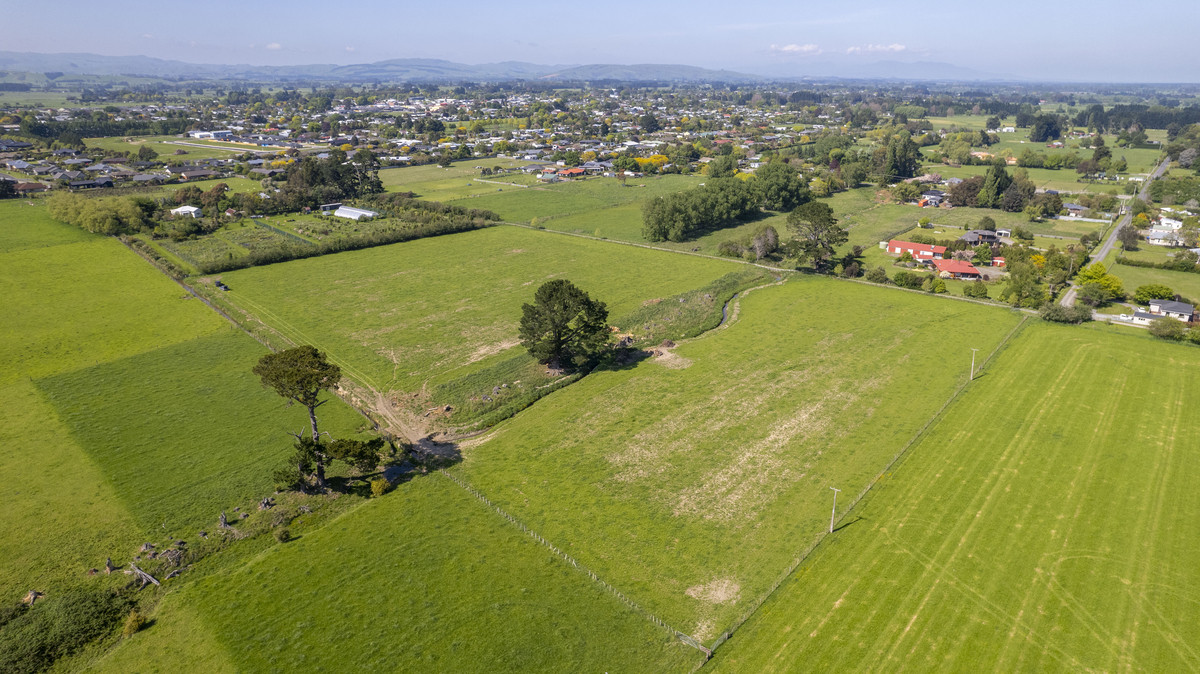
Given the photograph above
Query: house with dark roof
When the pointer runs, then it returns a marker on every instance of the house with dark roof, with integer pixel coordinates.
(1181, 311)
(978, 236)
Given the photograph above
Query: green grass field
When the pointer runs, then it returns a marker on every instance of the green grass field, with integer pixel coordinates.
(162, 424)
(458, 181)
(25, 224)
(426, 311)
(127, 403)
(427, 578)
(691, 480)
(1037, 527)
(1184, 283)
(167, 146)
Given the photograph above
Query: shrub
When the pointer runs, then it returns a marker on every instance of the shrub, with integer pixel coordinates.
(380, 486)
(133, 624)
(977, 290)
(908, 279)
(283, 535)
(1152, 291)
(1193, 336)
(1057, 313)
(877, 275)
(1167, 328)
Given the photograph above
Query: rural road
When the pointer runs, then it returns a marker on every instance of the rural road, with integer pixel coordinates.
(1068, 298)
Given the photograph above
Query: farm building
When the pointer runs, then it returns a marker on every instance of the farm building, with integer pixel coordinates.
(919, 251)
(955, 269)
(354, 213)
(187, 211)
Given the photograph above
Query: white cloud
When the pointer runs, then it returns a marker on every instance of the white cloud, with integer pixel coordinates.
(349, 48)
(875, 48)
(274, 46)
(797, 48)
(147, 36)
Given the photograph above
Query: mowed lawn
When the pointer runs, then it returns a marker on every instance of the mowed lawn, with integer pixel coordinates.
(1184, 283)
(426, 578)
(691, 481)
(1042, 525)
(398, 316)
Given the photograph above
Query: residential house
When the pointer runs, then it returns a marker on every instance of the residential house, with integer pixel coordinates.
(932, 198)
(960, 269)
(187, 212)
(1074, 210)
(1180, 311)
(919, 251)
(201, 174)
(30, 188)
(978, 236)
(1159, 237)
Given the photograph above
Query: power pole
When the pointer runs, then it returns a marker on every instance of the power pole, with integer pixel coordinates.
(834, 513)
(973, 364)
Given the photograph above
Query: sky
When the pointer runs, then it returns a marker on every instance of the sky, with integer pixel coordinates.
(1050, 40)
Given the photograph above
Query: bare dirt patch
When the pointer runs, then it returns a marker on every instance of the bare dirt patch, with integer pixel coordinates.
(717, 591)
(491, 350)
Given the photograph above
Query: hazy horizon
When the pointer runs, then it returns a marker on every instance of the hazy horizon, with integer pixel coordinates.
(1064, 41)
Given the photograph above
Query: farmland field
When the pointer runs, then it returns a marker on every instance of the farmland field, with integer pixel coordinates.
(691, 480)
(401, 315)
(430, 578)
(1045, 538)
(112, 382)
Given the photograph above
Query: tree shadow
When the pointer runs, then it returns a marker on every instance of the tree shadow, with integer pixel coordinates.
(625, 358)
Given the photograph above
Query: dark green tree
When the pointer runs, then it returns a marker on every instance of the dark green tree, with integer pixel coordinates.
(300, 374)
(817, 233)
(563, 325)
(780, 187)
(995, 181)
(146, 153)
(649, 123)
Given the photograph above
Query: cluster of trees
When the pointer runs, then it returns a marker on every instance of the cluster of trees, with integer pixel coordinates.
(756, 246)
(102, 126)
(1176, 190)
(103, 215)
(997, 189)
(719, 203)
(724, 200)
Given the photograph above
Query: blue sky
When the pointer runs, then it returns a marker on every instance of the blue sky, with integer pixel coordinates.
(1101, 40)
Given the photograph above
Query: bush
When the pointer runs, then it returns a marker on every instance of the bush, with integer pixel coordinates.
(57, 626)
(283, 535)
(877, 275)
(978, 290)
(1057, 313)
(908, 279)
(380, 486)
(1152, 291)
(1167, 328)
(133, 624)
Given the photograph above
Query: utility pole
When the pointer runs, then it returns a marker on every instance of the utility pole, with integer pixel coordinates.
(834, 513)
(973, 364)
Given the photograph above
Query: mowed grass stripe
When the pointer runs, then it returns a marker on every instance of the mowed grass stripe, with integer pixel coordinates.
(1036, 536)
(434, 581)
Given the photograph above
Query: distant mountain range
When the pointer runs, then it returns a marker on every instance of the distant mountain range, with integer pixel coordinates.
(437, 70)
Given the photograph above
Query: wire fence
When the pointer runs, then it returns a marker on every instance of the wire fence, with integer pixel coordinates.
(871, 484)
(575, 563)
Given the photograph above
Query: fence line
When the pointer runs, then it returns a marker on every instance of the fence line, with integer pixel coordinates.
(273, 228)
(900, 455)
(575, 563)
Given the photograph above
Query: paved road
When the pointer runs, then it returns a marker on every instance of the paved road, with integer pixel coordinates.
(1068, 298)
